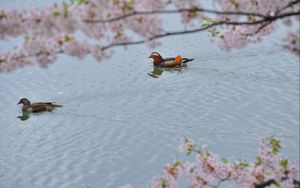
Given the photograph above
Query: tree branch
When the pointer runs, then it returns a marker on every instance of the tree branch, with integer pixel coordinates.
(136, 13)
(268, 20)
(265, 184)
(272, 181)
(260, 28)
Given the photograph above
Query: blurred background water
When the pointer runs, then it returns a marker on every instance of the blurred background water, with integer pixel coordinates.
(119, 125)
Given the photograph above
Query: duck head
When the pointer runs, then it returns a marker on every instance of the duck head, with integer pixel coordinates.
(157, 59)
(24, 101)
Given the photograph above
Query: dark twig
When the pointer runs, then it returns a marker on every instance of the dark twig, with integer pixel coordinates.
(266, 183)
(296, 183)
(260, 28)
(291, 4)
(220, 182)
(272, 181)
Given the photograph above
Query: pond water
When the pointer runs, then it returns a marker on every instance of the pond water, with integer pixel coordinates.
(119, 125)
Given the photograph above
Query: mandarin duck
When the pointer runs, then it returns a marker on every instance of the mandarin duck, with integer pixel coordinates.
(38, 106)
(168, 62)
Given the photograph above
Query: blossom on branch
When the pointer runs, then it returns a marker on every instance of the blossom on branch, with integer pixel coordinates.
(107, 24)
(210, 170)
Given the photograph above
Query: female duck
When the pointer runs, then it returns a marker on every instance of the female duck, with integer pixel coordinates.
(37, 107)
(168, 62)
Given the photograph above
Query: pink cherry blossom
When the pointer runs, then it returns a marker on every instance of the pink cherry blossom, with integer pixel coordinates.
(210, 170)
(103, 24)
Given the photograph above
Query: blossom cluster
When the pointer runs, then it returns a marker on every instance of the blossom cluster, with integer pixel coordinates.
(43, 51)
(42, 28)
(292, 42)
(209, 170)
(121, 22)
(241, 35)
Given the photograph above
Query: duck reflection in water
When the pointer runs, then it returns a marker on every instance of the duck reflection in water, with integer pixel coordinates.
(157, 71)
(24, 116)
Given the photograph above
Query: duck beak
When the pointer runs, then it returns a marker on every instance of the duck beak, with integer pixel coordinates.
(150, 56)
(18, 103)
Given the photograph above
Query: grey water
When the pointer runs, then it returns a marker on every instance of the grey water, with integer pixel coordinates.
(121, 124)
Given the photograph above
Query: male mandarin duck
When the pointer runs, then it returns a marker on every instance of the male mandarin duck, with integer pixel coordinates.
(37, 107)
(168, 62)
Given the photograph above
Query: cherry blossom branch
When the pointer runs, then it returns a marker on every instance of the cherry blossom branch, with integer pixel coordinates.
(268, 20)
(195, 9)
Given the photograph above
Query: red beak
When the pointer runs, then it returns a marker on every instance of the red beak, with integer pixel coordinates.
(150, 56)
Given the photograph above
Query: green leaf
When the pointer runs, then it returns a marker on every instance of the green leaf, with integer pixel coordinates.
(66, 11)
(276, 144)
(222, 37)
(199, 151)
(177, 163)
(129, 4)
(116, 2)
(163, 182)
(284, 163)
(68, 38)
(26, 37)
(194, 8)
(205, 19)
(258, 161)
(205, 25)
(242, 164)
(209, 21)
(213, 31)
(250, 18)
(56, 13)
(81, 2)
(224, 160)
(232, 2)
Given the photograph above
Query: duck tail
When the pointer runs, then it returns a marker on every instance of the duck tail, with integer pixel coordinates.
(185, 60)
(57, 105)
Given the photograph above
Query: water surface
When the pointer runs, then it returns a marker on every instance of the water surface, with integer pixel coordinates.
(119, 125)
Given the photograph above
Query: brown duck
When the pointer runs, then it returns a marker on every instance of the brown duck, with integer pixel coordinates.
(38, 106)
(168, 62)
